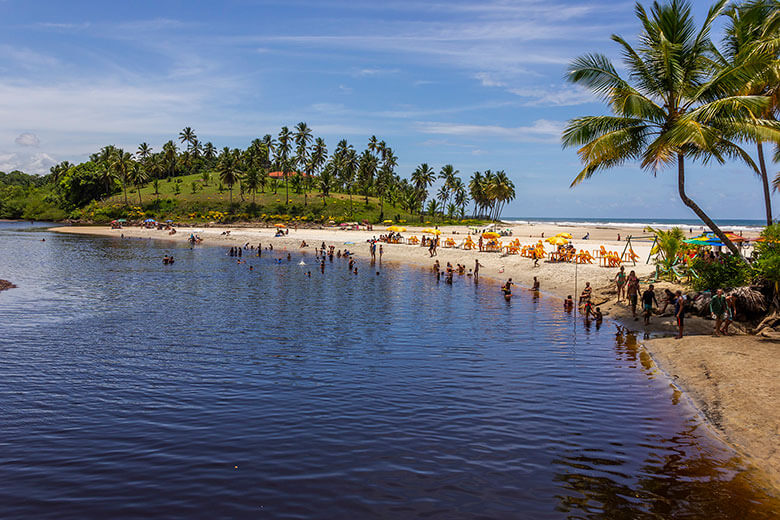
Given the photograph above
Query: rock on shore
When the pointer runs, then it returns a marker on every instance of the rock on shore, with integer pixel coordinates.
(5, 284)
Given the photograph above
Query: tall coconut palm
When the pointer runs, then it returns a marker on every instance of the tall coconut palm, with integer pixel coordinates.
(209, 151)
(477, 194)
(252, 180)
(672, 109)
(144, 151)
(460, 197)
(423, 177)
(123, 164)
(302, 139)
(138, 177)
(228, 173)
(326, 181)
(448, 174)
(187, 136)
(385, 178)
(366, 172)
(348, 172)
(171, 157)
(283, 149)
(747, 32)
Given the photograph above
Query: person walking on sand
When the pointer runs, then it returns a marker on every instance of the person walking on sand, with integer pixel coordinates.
(648, 298)
(718, 309)
(679, 312)
(731, 312)
(480, 243)
(536, 285)
(632, 291)
(620, 281)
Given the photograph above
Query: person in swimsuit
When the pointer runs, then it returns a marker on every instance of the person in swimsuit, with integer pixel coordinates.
(507, 289)
(632, 291)
(586, 292)
(536, 284)
(620, 281)
(648, 298)
(568, 304)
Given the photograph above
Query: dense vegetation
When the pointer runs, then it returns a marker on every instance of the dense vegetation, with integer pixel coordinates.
(684, 98)
(288, 177)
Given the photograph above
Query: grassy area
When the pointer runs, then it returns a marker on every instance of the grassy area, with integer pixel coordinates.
(197, 201)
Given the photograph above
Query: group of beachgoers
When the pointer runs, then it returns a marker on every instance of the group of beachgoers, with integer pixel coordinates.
(322, 253)
(722, 308)
(585, 305)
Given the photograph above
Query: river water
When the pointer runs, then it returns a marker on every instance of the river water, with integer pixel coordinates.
(131, 389)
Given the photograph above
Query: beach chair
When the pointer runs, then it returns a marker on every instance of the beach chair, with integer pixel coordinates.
(450, 242)
(469, 243)
(413, 240)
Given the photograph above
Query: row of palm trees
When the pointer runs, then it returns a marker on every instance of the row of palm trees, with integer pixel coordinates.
(305, 163)
(684, 98)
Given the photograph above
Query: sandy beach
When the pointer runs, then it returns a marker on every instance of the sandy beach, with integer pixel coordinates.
(728, 379)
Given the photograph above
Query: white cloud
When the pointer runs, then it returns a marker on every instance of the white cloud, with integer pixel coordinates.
(377, 72)
(540, 131)
(555, 95)
(488, 80)
(28, 139)
(38, 162)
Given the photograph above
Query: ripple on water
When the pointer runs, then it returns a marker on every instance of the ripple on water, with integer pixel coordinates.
(209, 390)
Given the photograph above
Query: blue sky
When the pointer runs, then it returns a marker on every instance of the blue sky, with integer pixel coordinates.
(475, 84)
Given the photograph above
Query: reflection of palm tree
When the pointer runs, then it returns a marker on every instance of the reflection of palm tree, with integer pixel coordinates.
(674, 109)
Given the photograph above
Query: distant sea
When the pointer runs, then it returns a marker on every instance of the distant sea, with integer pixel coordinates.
(663, 223)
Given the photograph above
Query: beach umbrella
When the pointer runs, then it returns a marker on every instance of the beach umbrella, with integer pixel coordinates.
(431, 231)
(396, 229)
(734, 237)
(121, 220)
(150, 220)
(564, 235)
(703, 240)
(557, 241)
(280, 225)
(387, 222)
(491, 234)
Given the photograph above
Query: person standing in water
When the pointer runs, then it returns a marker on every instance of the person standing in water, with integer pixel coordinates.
(536, 285)
(507, 289)
(477, 265)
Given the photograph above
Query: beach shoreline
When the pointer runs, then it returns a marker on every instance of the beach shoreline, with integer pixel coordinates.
(720, 376)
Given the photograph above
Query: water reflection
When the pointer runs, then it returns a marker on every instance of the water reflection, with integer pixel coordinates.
(203, 386)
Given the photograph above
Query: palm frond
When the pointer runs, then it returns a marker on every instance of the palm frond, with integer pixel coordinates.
(597, 73)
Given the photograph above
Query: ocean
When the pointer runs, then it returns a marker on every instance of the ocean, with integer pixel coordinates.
(735, 225)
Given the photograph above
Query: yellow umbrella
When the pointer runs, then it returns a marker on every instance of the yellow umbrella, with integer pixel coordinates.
(491, 234)
(396, 229)
(557, 241)
(564, 235)
(431, 231)
(280, 225)
(387, 222)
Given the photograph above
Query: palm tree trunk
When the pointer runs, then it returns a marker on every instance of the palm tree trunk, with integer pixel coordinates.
(699, 212)
(765, 183)
(139, 196)
(124, 185)
(286, 189)
(230, 191)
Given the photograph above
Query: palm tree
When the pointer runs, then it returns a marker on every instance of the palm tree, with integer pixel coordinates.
(252, 181)
(348, 170)
(477, 193)
(187, 136)
(302, 139)
(385, 178)
(122, 165)
(746, 32)
(169, 153)
(228, 174)
(448, 174)
(675, 109)
(366, 172)
(144, 151)
(423, 177)
(209, 151)
(283, 156)
(500, 190)
(326, 179)
(138, 177)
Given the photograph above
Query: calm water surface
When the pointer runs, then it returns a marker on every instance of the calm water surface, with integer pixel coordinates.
(130, 389)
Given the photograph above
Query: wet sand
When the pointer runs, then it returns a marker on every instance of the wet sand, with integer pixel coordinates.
(733, 381)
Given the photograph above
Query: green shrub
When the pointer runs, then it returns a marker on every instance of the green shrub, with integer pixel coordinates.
(729, 271)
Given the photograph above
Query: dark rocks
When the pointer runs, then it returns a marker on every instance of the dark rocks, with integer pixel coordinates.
(5, 284)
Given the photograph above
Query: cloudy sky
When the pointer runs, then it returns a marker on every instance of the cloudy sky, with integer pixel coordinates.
(475, 84)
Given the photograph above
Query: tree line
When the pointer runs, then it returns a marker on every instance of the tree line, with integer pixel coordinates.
(305, 164)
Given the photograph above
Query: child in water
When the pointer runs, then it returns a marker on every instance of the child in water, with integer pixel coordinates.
(507, 289)
(568, 303)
